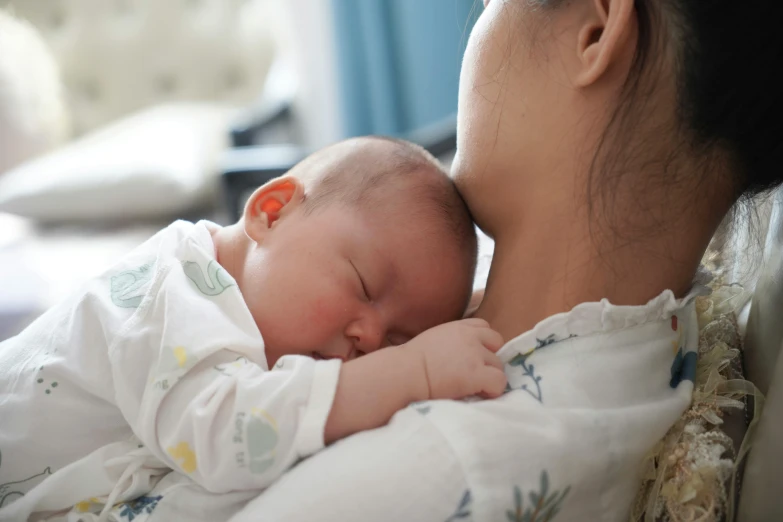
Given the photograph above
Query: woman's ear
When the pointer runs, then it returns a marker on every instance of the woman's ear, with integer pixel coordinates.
(269, 203)
(604, 37)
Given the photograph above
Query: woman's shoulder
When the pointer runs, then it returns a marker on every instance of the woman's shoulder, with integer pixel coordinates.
(589, 392)
(593, 319)
(573, 428)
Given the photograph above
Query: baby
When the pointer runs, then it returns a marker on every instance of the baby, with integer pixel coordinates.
(228, 354)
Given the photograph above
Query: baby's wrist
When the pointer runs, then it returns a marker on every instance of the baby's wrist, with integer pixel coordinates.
(417, 380)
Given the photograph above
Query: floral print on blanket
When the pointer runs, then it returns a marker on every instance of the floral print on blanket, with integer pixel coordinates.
(136, 510)
(528, 380)
(542, 507)
(463, 511)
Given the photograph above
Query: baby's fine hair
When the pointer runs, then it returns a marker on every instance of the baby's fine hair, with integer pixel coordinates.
(364, 172)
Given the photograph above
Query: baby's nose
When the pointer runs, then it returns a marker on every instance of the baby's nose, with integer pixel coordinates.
(366, 336)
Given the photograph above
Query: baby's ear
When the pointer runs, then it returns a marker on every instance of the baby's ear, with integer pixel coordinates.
(269, 203)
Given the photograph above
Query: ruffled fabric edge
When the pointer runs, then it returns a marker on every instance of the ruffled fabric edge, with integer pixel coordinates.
(603, 316)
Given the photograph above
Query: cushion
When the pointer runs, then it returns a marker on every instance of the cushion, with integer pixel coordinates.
(761, 499)
(159, 162)
(33, 116)
(765, 329)
(121, 56)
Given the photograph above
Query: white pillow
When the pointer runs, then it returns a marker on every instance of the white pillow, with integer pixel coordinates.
(155, 163)
(33, 115)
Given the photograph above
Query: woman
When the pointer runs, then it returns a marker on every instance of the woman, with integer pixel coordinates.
(601, 142)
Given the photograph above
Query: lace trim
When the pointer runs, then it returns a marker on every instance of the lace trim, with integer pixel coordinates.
(686, 474)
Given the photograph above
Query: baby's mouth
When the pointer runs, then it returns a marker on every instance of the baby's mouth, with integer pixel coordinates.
(318, 357)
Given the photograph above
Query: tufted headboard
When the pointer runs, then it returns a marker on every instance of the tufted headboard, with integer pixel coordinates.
(118, 56)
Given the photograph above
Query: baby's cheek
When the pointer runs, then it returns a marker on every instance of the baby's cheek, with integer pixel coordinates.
(313, 315)
(324, 318)
(325, 313)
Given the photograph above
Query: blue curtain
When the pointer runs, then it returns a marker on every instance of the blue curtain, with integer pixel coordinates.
(399, 61)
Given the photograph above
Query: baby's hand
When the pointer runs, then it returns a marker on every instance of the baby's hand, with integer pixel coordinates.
(458, 360)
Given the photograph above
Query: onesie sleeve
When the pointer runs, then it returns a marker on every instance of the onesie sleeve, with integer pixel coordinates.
(191, 379)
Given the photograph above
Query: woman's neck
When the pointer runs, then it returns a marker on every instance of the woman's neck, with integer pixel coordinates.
(538, 271)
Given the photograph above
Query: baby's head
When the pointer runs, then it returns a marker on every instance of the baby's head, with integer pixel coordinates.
(364, 244)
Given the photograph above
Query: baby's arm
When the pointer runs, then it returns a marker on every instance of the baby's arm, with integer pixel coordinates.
(186, 383)
(451, 361)
(225, 421)
(190, 380)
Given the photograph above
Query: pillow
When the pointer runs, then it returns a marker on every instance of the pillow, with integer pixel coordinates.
(33, 115)
(156, 163)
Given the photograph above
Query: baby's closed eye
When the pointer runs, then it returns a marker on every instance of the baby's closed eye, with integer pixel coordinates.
(362, 283)
(397, 339)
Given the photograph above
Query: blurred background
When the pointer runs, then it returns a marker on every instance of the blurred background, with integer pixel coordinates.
(120, 116)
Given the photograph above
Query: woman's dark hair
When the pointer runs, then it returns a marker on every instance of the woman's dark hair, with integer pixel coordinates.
(729, 103)
(728, 83)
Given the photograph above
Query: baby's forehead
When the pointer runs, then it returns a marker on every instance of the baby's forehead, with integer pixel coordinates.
(413, 222)
(398, 181)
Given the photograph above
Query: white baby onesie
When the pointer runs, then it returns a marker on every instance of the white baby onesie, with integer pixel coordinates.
(155, 365)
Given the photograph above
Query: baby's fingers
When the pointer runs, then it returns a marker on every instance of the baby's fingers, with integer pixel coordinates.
(490, 359)
(492, 340)
(493, 382)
